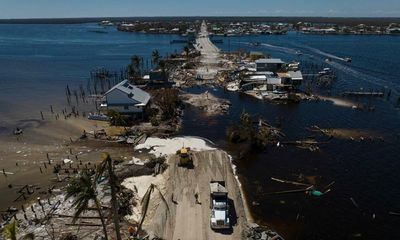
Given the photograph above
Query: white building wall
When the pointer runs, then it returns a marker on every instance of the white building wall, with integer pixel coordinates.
(118, 101)
(121, 109)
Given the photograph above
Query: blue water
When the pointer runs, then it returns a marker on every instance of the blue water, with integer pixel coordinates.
(37, 61)
(364, 171)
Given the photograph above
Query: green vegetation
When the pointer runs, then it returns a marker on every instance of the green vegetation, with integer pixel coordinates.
(116, 119)
(167, 100)
(155, 57)
(257, 136)
(134, 71)
(84, 190)
(10, 231)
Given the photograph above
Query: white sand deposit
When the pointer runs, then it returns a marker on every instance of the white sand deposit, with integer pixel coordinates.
(164, 147)
(139, 186)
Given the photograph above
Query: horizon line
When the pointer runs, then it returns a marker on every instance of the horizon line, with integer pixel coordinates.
(197, 16)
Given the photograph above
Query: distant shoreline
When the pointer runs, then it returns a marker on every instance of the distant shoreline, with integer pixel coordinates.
(332, 20)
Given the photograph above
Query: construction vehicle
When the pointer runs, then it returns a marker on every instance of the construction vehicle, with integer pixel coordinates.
(185, 157)
(219, 206)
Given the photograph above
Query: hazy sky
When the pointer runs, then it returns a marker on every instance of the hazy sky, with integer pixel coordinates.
(128, 8)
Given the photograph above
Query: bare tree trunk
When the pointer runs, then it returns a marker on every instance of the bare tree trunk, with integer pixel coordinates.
(103, 223)
(114, 201)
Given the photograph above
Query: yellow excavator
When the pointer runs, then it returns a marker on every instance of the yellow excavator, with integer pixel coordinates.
(185, 157)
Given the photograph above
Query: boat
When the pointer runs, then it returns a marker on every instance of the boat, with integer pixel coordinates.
(347, 59)
(325, 71)
(106, 23)
(98, 117)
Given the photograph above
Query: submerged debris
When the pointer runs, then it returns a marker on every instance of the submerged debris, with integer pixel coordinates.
(255, 232)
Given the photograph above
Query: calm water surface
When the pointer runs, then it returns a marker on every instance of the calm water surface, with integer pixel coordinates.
(37, 61)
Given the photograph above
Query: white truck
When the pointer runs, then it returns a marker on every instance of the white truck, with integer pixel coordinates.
(219, 206)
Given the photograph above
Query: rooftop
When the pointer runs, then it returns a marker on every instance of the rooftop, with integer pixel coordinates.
(270, 60)
(132, 91)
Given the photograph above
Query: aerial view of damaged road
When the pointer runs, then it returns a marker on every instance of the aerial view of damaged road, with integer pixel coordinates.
(253, 120)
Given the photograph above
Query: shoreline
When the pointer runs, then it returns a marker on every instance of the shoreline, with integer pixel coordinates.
(201, 154)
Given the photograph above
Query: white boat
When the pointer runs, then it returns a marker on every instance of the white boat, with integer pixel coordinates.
(233, 87)
(347, 59)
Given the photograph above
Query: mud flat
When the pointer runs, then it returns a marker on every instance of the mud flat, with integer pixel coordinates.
(30, 158)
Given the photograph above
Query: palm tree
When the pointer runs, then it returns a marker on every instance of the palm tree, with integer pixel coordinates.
(163, 66)
(10, 231)
(131, 71)
(107, 165)
(83, 189)
(136, 62)
(155, 57)
(145, 203)
(186, 50)
(134, 67)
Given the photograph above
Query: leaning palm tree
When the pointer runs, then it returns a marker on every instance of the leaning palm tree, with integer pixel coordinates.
(10, 231)
(83, 189)
(107, 166)
(155, 57)
(145, 203)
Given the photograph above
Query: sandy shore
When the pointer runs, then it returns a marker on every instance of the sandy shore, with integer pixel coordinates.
(24, 157)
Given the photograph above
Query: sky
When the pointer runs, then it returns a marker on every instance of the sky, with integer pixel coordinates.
(132, 8)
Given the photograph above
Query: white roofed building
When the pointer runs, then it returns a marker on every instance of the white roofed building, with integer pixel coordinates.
(126, 98)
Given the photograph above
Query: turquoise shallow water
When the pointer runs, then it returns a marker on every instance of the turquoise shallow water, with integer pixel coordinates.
(37, 61)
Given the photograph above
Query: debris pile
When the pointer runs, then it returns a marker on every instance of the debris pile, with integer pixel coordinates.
(254, 232)
(208, 103)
